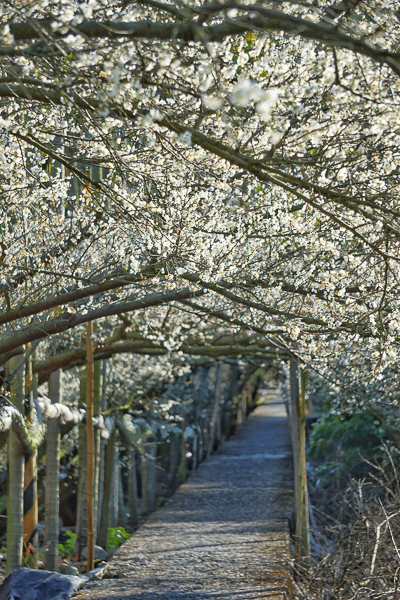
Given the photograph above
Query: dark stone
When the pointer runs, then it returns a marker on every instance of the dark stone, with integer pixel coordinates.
(27, 584)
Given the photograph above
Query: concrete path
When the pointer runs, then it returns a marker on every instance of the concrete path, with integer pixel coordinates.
(224, 534)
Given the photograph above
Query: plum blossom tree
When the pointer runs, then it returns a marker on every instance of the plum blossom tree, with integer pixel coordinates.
(205, 181)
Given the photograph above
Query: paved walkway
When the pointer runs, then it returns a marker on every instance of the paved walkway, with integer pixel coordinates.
(224, 534)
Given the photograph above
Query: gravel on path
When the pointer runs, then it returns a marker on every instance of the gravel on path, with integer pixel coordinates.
(224, 534)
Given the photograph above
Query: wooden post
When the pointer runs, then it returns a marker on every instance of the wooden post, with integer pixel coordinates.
(90, 449)
(31, 515)
(16, 465)
(52, 494)
(302, 513)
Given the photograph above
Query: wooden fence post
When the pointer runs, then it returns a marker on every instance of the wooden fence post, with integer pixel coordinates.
(16, 467)
(52, 494)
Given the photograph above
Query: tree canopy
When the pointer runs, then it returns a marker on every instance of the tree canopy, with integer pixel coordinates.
(204, 180)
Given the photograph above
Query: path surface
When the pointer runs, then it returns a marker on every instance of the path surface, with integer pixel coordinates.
(224, 534)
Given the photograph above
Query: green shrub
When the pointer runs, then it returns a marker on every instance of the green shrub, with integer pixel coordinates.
(116, 536)
(343, 442)
(68, 547)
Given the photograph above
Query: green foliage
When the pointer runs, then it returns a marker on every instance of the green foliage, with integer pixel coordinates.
(343, 442)
(68, 546)
(116, 536)
(180, 472)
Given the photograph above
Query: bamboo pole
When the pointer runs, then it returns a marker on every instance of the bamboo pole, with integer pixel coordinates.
(16, 464)
(90, 449)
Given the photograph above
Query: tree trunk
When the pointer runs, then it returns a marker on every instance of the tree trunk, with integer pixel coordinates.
(132, 488)
(230, 399)
(200, 445)
(194, 450)
(16, 467)
(148, 471)
(244, 404)
(239, 414)
(103, 445)
(183, 447)
(52, 494)
(81, 528)
(214, 416)
(174, 454)
(295, 420)
(97, 401)
(90, 457)
(106, 505)
(31, 515)
(121, 502)
(302, 514)
(115, 503)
